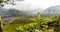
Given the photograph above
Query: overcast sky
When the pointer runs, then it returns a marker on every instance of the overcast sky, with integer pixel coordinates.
(33, 4)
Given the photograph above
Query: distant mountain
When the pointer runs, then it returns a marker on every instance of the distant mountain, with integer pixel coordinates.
(3, 9)
(15, 13)
(12, 14)
(52, 11)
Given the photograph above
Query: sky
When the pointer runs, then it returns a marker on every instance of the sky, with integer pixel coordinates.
(33, 4)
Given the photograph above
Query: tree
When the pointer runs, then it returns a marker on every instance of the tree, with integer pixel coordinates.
(2, 2)
(1, 24)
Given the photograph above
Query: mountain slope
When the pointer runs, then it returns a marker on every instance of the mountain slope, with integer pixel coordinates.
(14, 13)
(51, 11)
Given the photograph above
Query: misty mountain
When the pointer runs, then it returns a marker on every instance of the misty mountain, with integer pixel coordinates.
(15, 13)
(3, 9)
(52, 11)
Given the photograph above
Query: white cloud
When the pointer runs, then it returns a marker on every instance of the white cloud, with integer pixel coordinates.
(33, 4)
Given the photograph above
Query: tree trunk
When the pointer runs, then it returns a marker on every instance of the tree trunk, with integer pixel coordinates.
(0, 24)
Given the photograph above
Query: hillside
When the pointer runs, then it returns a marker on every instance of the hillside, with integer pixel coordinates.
(51, 11)
(12, 14)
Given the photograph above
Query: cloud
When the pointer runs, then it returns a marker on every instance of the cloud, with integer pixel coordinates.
(33, 4)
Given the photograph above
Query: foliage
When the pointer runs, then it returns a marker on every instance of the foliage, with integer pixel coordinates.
(23, 20)
(31, 24)
(2, 2)
(37, 25)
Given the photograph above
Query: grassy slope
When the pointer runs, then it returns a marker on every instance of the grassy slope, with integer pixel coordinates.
(16, 23)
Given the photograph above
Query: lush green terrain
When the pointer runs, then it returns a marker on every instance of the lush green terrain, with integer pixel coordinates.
(30, 24)
(16, 23)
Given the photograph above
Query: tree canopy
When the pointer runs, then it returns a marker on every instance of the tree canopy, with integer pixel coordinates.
(2, 2)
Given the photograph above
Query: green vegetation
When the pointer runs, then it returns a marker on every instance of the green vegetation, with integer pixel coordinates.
(7, 2)
(30, 24)
(16, 23)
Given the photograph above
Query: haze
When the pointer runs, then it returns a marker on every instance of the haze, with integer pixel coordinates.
(33, 4)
